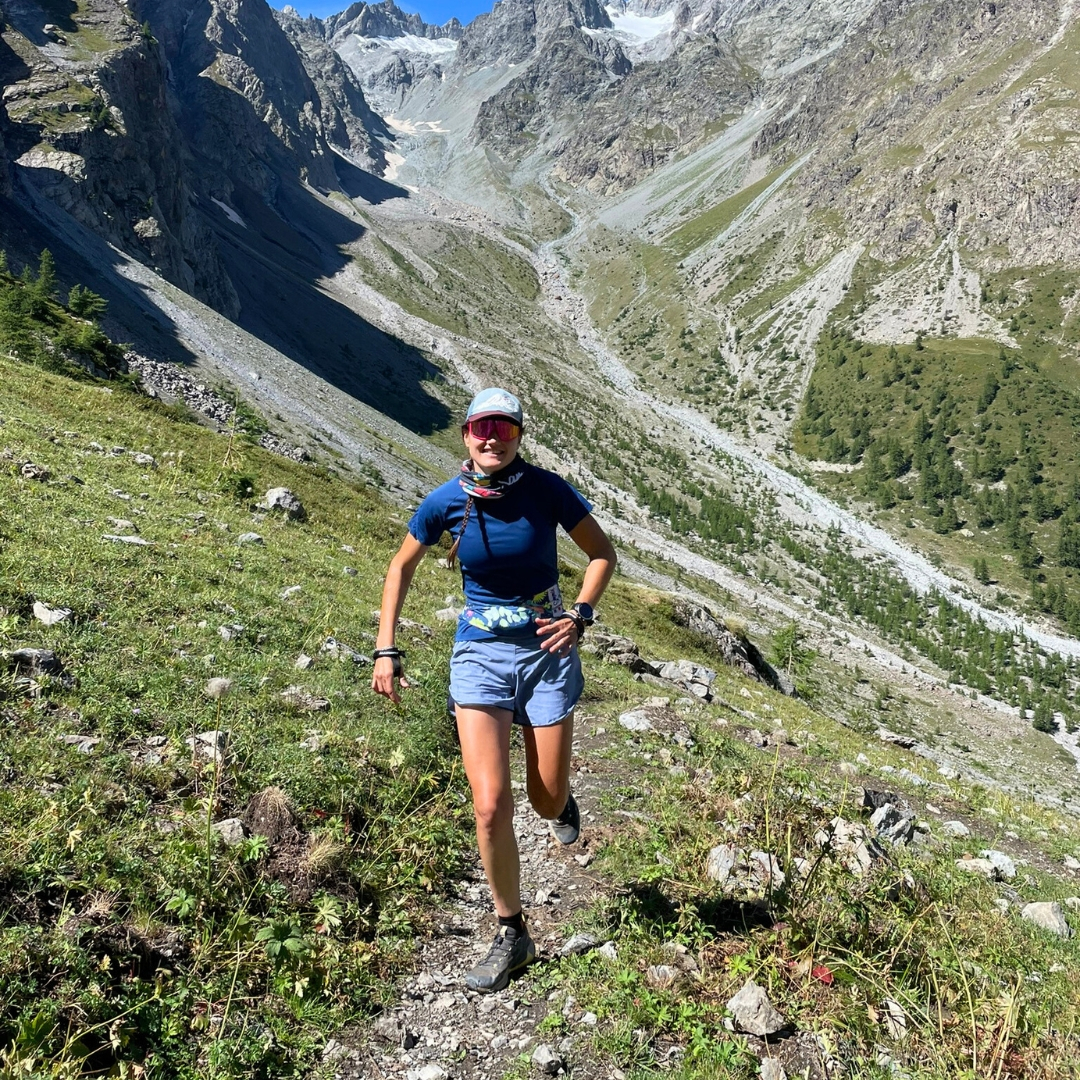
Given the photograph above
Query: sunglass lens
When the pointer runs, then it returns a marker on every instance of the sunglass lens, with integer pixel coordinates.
(489, 427)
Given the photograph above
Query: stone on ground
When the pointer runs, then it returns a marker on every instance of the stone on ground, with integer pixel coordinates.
(1048, 915)
(754, 1013)
(283, 499)
(547, 1060)
(49, 615)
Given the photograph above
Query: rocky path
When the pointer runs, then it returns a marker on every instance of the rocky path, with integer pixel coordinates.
(438, 1030)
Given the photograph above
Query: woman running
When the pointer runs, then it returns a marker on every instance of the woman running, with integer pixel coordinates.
(515, 658)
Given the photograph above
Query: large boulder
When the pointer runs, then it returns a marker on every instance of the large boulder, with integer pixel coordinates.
(735, 651)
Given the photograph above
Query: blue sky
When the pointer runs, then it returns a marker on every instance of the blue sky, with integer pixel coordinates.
(431, 11)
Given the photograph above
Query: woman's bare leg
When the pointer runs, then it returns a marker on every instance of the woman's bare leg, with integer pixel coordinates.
(485, 752)
(547, 765)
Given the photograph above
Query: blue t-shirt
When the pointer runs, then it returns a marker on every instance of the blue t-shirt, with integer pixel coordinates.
(508, 554)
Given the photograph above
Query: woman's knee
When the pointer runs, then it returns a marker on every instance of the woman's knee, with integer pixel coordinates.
(493, 809)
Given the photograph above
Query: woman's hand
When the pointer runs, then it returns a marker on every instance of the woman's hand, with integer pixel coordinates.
(560, 634)
(387, 668)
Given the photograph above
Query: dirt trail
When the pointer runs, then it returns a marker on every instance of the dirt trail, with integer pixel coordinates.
(438, 1029)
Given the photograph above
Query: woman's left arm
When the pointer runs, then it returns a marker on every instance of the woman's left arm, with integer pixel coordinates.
(560, 635)
(588, 536)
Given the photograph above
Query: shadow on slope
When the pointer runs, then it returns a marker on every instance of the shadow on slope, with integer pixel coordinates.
(89, 261)
(358, 184)
(276, 259)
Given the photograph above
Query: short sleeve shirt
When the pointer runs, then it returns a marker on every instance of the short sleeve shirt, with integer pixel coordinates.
(508, 553)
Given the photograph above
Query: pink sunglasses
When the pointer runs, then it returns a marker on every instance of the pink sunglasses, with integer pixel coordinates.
(494, 427)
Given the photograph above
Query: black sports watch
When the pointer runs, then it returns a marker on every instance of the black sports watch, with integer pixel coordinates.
(585, 613)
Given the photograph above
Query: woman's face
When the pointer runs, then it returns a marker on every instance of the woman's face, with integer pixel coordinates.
(490, 453)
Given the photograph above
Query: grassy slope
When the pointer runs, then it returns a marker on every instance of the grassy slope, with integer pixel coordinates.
(1032, 416)
(126, 936)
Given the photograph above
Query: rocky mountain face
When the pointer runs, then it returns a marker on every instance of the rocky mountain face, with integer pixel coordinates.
(134, 123)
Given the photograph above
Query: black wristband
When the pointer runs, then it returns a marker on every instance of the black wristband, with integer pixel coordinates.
(392, 653)
(577, 620)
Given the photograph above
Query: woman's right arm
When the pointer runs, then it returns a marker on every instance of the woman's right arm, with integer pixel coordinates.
(398, 579)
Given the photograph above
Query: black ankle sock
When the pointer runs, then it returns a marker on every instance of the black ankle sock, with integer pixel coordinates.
(516, 921)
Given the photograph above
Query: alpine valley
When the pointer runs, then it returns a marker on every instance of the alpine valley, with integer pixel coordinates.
(790, 289)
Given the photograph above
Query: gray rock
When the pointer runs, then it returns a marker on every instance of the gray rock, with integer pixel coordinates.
(771, 1069)
(335, 1051)
(292, 590)
(852, 843)
(904, 741)
(983, 867)
(146, 460)
(338, 650)
(49, 615)
(85, 744)
(894, 1019)
(303, 662)
(1072, 903)
(122, 525)
(753, 1012)
(230, 631)
(636, 720)
(249, 538)
(231, 830)
(32, 471)
(1048, 915)
(283, 499)
(1070, 863)
(301, 699)
(732, 649)
(1005, 866)
(608, 952)
(893, 824)
(721, 862)
(428, 1072)
(733, 866)
(547, 1060)
(955, 828)
(35, 662)
(211, 745)
(579, 943)
(138, 541)
(1001, 904)
(589, 1019)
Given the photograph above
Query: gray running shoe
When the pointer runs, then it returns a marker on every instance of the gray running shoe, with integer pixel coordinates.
(566, 828)
(509, 952)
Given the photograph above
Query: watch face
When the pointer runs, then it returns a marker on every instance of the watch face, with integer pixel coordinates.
(585, 611)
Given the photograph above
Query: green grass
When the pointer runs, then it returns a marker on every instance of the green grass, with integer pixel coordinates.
(108, 855)
(130, 936)
(710, 224)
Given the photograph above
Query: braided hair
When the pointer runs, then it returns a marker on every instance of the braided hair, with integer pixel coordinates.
(451, 558)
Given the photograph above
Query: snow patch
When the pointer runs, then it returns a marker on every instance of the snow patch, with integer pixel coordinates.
(410, 43)
(230, 213)
(640, 27)
(415, 127)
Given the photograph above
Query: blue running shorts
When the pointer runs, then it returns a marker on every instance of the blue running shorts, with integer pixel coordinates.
(538, 687)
